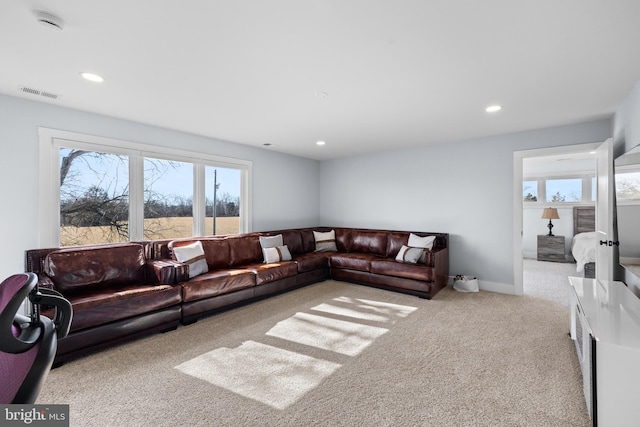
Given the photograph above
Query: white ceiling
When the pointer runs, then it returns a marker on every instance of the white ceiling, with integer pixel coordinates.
(362, 75)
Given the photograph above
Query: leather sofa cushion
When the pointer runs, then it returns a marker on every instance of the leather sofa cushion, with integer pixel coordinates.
(308, 240)
(312, 261)
(395, 240)
(217, 282)
(293, 240)
(244, 250)
(351, 261)
(266, 273)
(94, 267)
(343, 239)
(216, 251)
(369, 242)
(390, 267)
(107, 304)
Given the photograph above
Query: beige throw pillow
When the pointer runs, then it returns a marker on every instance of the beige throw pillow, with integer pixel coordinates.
(276, 254)
(325, 242)
(409, 255)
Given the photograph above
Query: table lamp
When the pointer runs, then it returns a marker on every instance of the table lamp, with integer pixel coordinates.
(550, 213)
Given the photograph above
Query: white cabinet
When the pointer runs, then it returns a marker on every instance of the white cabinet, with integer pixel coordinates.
(605, 324)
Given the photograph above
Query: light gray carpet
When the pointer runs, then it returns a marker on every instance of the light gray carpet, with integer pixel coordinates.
(338, 354)
(548, 280)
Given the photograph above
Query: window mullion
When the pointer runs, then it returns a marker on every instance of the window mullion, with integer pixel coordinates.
(136, 198)
(199, 200)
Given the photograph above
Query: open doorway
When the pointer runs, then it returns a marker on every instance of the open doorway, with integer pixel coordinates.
(558, 178)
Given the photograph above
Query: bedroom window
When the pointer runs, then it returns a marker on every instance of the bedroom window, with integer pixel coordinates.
(530, 191)
(99, 190)
(564, 190)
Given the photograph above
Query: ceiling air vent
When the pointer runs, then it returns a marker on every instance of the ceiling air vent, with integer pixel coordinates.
(39, 92)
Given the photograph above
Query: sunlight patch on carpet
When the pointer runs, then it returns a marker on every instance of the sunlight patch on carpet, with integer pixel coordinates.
(264, 373)
(376, 311)
(340, 336)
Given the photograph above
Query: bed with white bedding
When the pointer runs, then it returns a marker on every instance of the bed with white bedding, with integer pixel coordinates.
(583, 249)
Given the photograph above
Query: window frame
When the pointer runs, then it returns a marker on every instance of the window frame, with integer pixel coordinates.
(50, 141)
(585, 177)
(621, 170)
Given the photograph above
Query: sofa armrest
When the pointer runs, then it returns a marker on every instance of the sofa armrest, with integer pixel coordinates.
(161, 272)
(44, 282)
(439, 260)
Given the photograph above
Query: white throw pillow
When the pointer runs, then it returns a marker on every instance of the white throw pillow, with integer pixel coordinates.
(416, 241)
(271, 241)
(409, 255)
(426, 242)
(276, 254)
(193, 256)
(325, 242)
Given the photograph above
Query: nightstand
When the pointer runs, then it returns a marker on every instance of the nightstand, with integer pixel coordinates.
(551, 248)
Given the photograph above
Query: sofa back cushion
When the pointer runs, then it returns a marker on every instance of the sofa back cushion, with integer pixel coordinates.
(343, 239)
(244, 249)
(77, 269)
(369, 242)
(395, 241)
(293, 240)
(308, 241)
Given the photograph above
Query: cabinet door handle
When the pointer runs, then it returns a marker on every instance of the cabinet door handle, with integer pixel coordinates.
(609, 243)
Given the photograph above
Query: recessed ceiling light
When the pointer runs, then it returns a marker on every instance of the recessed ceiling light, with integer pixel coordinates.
(320, 143)
(493, 108)
(92, 77)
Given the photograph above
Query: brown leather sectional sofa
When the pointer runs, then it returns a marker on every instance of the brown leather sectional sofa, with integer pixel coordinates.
(121, 291)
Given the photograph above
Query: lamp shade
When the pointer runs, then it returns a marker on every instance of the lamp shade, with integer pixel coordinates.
(550, 213)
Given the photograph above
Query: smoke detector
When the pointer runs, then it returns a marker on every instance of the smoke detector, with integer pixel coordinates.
(50, 21)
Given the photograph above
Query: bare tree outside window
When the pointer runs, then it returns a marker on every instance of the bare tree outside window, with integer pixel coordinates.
(628, 186)
(530, 191)
(94, 198)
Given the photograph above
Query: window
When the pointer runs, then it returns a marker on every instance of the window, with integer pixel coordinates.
(627, 186)
(558, 190)
(530, 191)
(564, 190)
(223, 202)
(94, 197)
(100, 190)
(168, 199)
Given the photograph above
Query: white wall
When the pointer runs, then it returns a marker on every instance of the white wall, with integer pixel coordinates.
(626, 123)
(285, 190)
(463, 188)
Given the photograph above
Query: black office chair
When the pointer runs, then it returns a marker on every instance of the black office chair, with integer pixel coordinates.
(28, 343)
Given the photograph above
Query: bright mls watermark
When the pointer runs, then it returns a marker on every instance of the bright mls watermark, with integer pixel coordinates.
(34, 415)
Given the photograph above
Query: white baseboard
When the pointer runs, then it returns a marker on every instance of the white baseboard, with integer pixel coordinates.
(500, 288)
